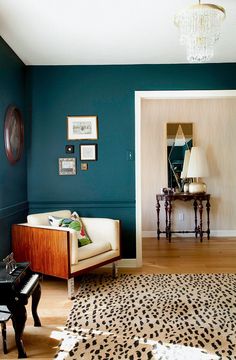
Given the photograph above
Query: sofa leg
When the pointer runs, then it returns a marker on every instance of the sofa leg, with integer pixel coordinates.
(114, 270)
(71, 288)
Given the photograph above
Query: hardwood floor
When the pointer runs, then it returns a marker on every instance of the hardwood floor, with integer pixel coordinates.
(189, 255)
(182, 255)
(53, 309)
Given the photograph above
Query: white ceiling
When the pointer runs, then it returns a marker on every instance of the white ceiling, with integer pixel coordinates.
(74, 32)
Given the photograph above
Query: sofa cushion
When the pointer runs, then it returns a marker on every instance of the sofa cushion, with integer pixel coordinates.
(93, 249)
(42, 218)
(78, 226)
(54, 220)
(75, 223)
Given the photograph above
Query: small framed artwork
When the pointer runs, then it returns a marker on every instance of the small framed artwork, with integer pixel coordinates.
(84, 166)
(70, 149)
(67, 166)
(82, 128)
(88, 152)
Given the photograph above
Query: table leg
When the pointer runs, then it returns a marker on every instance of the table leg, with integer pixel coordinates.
(4, 337)
(169, 207)
(35, 300)
(19, 316)
(195, 217)
(208, 206)
(200, 207)
(158, 219)
(166, 212)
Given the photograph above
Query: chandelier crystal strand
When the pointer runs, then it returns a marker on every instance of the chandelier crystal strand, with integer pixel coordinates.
(199, 27)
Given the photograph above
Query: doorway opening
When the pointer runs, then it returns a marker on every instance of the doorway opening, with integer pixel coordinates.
(163, 96)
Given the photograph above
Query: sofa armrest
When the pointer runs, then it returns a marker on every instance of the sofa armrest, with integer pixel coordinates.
(47, 249)
(73, 239)
(100, 229)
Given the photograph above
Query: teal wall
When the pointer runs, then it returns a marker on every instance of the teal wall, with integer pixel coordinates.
(108, 187)
(46, 95)
(13, 178)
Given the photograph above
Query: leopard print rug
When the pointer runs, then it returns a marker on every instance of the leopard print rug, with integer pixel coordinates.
(164, 317)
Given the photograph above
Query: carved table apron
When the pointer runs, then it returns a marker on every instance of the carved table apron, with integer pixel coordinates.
(197, 200)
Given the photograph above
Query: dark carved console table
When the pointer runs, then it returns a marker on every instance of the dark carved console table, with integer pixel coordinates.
(197, 200)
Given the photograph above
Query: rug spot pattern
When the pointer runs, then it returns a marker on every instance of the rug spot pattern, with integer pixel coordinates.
(164, 317)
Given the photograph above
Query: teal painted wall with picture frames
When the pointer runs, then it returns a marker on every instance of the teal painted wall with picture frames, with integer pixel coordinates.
(108, 187)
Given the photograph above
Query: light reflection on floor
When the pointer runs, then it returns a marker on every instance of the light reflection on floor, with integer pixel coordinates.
(164, 351)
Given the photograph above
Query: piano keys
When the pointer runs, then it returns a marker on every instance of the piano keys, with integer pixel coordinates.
(29, 285)
(15, 289)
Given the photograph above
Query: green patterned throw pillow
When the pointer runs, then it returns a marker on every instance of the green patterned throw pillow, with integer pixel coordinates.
(75, 223)
(54, 220)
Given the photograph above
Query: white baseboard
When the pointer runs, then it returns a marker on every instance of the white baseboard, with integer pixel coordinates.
(130, 263)
(223, 233)
(146, 234)
(217, 233)
(123, 263)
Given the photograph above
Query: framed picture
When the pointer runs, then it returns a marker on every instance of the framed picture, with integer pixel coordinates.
(88, 152)
(84, 166)
(70, 149)
(13, 134)
(67, 166)
(82, 128)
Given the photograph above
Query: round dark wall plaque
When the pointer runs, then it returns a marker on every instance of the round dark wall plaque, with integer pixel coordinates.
(13, 134)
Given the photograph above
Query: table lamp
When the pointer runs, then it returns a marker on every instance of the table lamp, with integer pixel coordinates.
(197, 168)
(185, 170)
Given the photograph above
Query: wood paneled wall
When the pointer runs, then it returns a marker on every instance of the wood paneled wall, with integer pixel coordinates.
(214, 129)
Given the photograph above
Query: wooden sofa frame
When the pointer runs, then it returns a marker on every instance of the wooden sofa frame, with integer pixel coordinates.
(48, 251)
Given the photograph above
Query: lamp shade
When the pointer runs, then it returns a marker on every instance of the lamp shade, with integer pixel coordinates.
(185, 165)
(197, 166)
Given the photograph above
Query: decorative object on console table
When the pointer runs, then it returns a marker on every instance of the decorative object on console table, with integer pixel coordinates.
(197, 200)
(13, 134)
(197, 168)
(82, 128)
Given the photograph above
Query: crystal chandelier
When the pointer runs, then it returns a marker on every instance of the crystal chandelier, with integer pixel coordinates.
(199, 27)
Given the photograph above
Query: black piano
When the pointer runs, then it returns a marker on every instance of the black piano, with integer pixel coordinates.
(15, 289)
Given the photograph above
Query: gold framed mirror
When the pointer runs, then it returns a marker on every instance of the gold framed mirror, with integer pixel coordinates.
(179, 139)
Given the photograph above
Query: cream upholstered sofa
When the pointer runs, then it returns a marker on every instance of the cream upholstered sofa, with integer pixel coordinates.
(54, 250)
